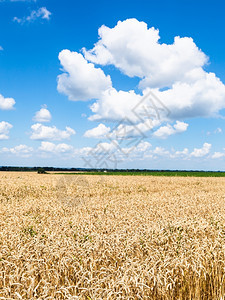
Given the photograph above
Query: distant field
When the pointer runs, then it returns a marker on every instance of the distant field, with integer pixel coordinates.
(151, 173)
(111, 237)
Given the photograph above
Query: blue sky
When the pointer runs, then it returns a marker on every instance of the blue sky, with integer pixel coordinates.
(65, 89)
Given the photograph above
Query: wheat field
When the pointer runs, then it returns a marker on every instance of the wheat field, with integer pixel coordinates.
(111, 237)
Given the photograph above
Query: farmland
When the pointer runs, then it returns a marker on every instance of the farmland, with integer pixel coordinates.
(148, 173)
(111, 237)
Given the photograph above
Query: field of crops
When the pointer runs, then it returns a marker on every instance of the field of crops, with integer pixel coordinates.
(111, 237)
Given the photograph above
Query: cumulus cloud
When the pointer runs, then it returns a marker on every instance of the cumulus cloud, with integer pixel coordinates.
(21, 150)
(143, 146)
(182, 154)
(165, 131)
(136, 51)
(114, 152)
(109, 154)
(101, 152)
(128, 152)
(98, 132)
(41, 13)
(41, 132)
(201, 95)
(81, 80)
(53, 148)
(4, 130)
(199, 152)
(115, 105)
(126, 129)
(6, 103)
(43, 115)
(160, 151)
(173, 72)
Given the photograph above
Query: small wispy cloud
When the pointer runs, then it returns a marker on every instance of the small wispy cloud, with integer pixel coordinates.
(216, 131)
(18, 0)
(1, 48)
(41, 13)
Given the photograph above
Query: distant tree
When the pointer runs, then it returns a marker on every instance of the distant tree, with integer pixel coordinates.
(41, 171)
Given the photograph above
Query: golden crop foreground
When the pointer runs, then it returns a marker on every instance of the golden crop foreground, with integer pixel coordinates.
(111, 237)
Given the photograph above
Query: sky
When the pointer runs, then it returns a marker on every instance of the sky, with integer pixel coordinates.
(120, 84)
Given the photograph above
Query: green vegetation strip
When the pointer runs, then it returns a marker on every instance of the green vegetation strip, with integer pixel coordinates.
(152, 173)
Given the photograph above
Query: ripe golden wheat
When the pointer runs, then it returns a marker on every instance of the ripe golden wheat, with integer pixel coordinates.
(111, 237)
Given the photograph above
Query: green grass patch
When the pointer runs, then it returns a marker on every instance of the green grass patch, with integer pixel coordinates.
(151, 173)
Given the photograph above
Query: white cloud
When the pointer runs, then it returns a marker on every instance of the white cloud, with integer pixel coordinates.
(201, 95)
(218, 155)
(128, 126)
(143, 146)
(53, 148)
(18, 0)
(136, 51)
(218, 130)
(125, 131)
(18, 20)
(98, 132)
(6, 103)
(4, 130)
(184, 153)
(112, 150)
(174, 73)
(41, 132)
(21, 150)
(81, 80)
(160, 151)
(100, 148)
(41, 13)
(115, 105)
(129, 130)
(1, 48)
(188, 91)
(43, 115)
(143, 151)
(199, 152)
(165, 131)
